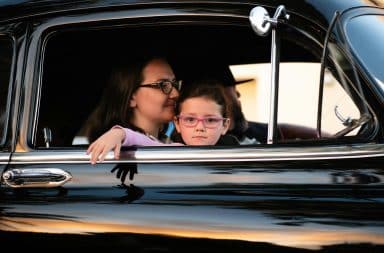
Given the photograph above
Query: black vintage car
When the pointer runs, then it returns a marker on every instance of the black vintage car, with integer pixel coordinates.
(315, 80)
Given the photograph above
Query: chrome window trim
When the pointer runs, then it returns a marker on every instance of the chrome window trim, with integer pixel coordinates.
(4, 158)
(184, 154)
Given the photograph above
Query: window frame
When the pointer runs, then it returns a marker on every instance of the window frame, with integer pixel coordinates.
(37, 45)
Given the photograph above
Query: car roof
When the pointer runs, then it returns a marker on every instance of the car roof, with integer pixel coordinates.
(24, 9)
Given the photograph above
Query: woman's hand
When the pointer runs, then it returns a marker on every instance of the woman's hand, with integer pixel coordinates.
(108, 141)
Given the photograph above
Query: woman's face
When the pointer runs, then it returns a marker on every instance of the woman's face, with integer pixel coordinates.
(151, 106)
(201, 109)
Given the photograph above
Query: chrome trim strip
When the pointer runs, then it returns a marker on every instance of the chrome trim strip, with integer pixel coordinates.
(184, 154)
(4, 158)
(274, 86)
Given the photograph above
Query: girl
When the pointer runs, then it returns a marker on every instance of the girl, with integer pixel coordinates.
(202, 118)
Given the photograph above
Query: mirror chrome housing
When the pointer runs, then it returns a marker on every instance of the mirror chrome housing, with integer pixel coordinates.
(259, 21)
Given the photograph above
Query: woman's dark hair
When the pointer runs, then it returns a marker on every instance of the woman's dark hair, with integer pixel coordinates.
(114, 107)
(209, 88)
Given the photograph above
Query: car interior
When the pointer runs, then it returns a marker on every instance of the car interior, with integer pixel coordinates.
(78, 61)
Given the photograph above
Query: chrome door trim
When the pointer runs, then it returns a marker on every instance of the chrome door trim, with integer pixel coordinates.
(4, 158)
(36, 177)
(184, 154)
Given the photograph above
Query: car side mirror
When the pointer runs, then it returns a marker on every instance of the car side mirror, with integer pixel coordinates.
(262, 24)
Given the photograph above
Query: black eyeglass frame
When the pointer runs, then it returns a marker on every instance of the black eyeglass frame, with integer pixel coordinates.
(162, 85)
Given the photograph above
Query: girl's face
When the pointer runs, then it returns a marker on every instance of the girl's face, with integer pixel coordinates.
(200, 121)
(151, 106)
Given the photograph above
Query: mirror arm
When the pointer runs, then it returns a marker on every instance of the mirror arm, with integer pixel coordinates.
(262, 24)
(274, 87)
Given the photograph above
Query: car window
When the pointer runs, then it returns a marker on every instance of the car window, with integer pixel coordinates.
(6, 51)
(298, 96)
(337, 107)
(368, 46)
(77, 64)
(345, 109)
(296, 79)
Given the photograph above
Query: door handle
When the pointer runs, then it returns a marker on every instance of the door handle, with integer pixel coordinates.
(42, 177)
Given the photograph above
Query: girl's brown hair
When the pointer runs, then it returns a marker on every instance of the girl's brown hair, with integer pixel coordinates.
(208, 88)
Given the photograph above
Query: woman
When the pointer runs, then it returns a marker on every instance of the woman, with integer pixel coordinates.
(202, 119)
(140, 96)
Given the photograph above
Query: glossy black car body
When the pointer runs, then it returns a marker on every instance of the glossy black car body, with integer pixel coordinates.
(297, 192)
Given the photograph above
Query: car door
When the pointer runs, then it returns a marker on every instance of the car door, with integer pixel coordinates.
(310, 190)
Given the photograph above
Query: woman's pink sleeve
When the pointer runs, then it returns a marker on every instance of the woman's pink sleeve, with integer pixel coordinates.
(133, 138)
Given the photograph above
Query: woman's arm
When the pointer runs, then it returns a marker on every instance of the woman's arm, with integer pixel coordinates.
(133, 138)
(116, 137)
(110, 140)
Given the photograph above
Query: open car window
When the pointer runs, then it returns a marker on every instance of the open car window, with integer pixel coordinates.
(78, 61)
(344, 105)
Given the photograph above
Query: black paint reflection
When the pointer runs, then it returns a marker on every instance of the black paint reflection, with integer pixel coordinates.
(124, 169)
(45, 196)
(292, 205)
(354, 177)
(157, 243)
(132, 193)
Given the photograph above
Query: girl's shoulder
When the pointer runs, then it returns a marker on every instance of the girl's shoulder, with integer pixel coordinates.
(227, 139)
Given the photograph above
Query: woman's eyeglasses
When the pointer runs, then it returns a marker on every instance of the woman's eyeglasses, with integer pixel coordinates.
(208, 122)
(166, 86)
